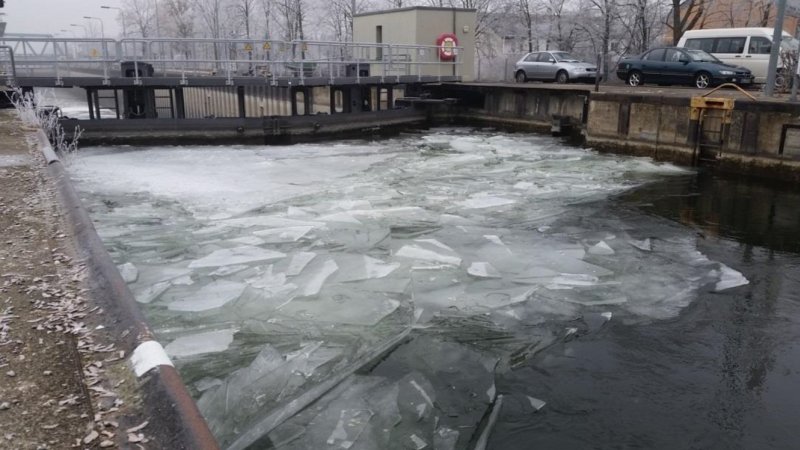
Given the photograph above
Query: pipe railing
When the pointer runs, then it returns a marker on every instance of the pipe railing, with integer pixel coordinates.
(8, 66)
(228, 58)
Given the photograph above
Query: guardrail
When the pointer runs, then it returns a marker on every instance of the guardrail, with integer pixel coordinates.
(8, 66)
(228, 58)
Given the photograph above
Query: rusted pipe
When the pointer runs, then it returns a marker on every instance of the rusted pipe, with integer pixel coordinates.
(176, 421)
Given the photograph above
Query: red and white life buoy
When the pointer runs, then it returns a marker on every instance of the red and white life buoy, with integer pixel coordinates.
(447, 43)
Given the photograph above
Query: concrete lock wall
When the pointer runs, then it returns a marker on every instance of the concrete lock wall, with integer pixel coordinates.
(420, 26)
(762, 138)
(759, 140)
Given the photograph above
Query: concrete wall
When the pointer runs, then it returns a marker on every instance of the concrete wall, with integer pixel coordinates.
(422, 26)
(762, 139)
(759, 140)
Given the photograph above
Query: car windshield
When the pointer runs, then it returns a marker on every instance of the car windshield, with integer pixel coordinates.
(702, 56)
(564, 57)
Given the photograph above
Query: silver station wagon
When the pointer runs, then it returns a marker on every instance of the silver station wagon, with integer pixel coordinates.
(560, 67)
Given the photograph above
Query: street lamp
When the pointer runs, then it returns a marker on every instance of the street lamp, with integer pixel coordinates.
(102, 30)
(122, 17)
(69, 31)
(85, 31)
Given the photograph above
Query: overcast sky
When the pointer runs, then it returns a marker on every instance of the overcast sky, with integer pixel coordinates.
(52, 16)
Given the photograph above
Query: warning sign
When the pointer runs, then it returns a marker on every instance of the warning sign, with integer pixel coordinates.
(94, 53)
(248, 47)
(267, 46)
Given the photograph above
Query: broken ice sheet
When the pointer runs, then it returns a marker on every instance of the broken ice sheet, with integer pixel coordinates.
(237, 255)
(350, 426)
(211, 296)
(481, 269)
(729, 278)
(129, 272)
(312, 280)
(361, 267)
(426, 251)
(644, 245)
(536, 403)
(283, 235)
(200, 343)
(249, 393)
(299, 262)
(601, 249)
(484, 200)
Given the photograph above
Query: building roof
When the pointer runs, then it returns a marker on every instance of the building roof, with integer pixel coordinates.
(412, 8)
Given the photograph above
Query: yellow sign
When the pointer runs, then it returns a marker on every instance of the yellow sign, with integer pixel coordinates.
(94, 53)
(248, 47)
(267, 46)
(305, 47)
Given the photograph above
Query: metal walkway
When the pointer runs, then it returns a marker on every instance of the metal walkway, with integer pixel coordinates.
(163, 63)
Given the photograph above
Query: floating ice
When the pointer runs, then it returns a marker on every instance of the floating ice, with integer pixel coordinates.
(644, 245)
(228, 270)
(238, 255)
(299, 262)
(423, 254)
(483, 270)
(350, 426)
(729, 278)
(313, 284)
(341, 217)
(271, 282)
(362, 267)
(485, 201)
(129, 272)
(536, 403)
(601, 248)
(248, 240)
(214, 295)
(200, 343)
(281, 235)
(151, 293)
(418, 442)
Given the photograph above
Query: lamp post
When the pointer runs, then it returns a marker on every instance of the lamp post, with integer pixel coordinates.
(85, 31)
(102, 28)
(122, 17)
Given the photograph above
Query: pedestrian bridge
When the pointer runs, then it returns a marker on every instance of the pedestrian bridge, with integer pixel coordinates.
(165, 63)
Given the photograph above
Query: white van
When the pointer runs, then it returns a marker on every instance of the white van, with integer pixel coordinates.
(746, 47)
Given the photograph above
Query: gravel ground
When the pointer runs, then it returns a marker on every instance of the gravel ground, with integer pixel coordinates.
(63, 384)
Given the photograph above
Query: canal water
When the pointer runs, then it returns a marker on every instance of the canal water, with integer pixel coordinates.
(459, 288)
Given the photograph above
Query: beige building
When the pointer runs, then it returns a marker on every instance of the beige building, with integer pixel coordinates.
(419, 26)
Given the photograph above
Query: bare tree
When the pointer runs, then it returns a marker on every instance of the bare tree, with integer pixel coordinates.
(607, 12)
(181, 20)
(526, 8)
(243, 12)
(563, 36)
(140, 14)
(686, 15)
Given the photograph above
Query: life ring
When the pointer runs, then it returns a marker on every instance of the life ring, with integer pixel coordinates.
(447, 43)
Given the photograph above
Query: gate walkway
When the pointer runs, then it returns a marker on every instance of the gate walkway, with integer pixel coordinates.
(109, 63)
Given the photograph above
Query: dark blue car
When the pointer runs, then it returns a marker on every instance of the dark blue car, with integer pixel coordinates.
(675, 65)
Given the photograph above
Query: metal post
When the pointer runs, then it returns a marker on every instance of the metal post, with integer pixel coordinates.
(241, 101)
(777, 38)
(795, 75)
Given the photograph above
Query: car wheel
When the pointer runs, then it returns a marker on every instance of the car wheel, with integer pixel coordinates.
(702, 80)
(562, 77)
(520, 76)
(635, 78)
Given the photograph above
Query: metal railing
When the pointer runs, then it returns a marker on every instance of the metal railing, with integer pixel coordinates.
(226, 58)
(8, 67)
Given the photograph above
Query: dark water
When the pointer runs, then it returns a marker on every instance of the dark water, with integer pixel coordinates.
(724, 374)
